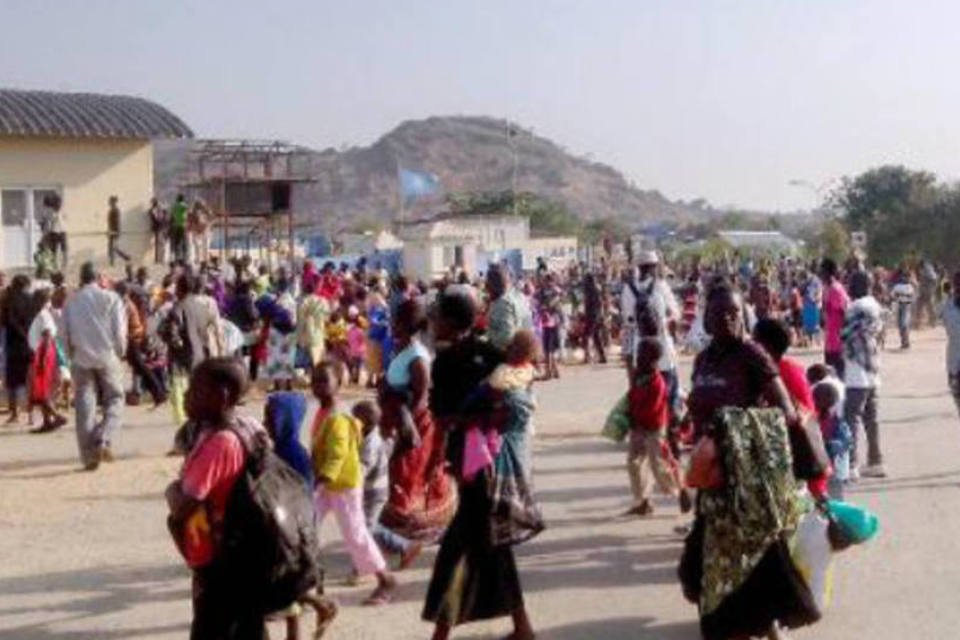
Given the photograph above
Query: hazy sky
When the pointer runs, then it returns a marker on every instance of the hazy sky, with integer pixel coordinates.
(725, 100)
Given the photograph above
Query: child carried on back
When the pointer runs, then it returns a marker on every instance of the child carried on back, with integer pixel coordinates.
(648, 447)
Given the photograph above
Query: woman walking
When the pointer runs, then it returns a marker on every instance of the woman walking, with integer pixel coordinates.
(475, 575)
(18, 312)
(422, 500)
(281, 312)
(737, 564)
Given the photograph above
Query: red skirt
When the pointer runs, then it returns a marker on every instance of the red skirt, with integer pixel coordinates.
(43, 372)
(423, 498)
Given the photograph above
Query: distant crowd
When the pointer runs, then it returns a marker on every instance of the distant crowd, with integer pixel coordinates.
(442, 451)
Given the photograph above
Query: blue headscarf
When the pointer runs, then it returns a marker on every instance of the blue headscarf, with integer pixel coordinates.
(285, 412)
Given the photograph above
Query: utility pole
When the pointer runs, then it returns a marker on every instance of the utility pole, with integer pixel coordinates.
(511, 140)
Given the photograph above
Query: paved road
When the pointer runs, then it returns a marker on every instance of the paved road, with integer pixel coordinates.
(87, 555)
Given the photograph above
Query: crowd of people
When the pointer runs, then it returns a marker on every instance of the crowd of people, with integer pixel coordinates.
(442, 451)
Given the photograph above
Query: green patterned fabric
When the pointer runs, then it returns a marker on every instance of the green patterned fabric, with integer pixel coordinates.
(617, 425)
(759, 502)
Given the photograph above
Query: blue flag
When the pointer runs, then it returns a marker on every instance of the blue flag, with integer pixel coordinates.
(416, 184)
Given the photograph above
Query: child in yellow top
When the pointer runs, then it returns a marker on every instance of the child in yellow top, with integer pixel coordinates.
(336, 447)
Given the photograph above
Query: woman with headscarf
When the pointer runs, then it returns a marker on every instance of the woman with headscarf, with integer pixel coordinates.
(422, 500)
(283, 418)
(737, 563)
(475, 574)
(17, 314)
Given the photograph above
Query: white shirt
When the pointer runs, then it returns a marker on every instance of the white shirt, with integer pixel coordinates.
(950, 314)
(95, 328)
(665, 305)
(855, 376)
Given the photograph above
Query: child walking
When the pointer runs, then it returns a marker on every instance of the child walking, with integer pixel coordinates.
(44, 367)
(356, 345)
(283, 418)
(649, 417)
(375, 456)
(339, 480)
(837, 437)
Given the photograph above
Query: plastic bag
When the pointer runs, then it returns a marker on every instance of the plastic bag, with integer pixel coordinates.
(811, 552)
(617, 425)
(856, 523)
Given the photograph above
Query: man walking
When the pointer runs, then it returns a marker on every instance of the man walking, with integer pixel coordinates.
(114, 231)
(509, 311)
(950, 314)
(862, 374)
(95, 335)
(904, 295)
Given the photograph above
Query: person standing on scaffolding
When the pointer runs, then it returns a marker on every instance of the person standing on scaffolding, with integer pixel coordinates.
(198, 230)
(160, 228)
(178, 228)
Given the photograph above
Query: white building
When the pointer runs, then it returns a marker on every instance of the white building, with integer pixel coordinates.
(558, 252)
(762, 241)
(85, 148)
(432, 247)
(368, 242)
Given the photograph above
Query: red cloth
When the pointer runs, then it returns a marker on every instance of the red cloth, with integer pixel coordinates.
(422, 498)
(43, 372)
(649, 409)
(330, 287)
(794, 377)
(209, 475)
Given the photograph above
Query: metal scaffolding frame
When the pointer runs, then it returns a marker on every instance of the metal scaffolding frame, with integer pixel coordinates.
(222, 166)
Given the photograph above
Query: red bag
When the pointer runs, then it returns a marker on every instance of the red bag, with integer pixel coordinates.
(706, 471)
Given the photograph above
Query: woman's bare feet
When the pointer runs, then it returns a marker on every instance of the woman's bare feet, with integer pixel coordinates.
(410, 556)
(383, 594)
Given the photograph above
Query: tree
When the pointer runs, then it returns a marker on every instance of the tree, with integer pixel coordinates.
(604, 229)
(832, 241)
(893, 205)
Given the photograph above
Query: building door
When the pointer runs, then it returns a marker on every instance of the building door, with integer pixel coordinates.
(14, 214)
(20, 213)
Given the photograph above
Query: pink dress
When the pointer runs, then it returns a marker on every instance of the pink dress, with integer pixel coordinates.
(835, 302)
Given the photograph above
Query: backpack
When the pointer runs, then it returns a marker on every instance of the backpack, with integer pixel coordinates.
(173, 332)
(269, 547)
(645, 314)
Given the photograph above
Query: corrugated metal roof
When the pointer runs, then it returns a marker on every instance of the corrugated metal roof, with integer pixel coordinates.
(85, 115)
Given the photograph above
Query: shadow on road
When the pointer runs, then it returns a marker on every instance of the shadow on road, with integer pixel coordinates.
(640, 628)
(77, 595)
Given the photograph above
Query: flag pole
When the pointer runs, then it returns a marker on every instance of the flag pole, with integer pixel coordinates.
(400, 190)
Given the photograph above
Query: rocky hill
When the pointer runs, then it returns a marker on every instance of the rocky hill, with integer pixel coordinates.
(359, 186)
